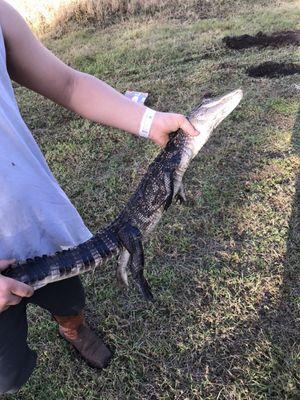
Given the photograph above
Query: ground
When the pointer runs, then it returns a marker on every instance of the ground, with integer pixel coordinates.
(225, 268)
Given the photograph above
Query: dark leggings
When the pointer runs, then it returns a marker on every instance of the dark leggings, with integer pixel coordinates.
(17, 360)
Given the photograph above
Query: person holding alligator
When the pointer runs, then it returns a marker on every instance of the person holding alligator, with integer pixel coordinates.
(36, 217)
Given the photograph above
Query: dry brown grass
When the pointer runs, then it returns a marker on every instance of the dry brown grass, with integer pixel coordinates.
(44, 14)
(48, 16)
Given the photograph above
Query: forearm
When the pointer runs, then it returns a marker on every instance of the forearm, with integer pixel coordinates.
(95, 100)
(32, 65)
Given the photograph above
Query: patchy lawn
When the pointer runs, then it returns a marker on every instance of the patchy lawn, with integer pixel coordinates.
(225, 268)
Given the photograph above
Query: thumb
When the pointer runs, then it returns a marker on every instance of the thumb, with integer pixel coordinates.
(6, 263)
(187, 127)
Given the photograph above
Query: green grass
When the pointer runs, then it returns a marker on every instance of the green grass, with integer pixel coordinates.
(225, 268)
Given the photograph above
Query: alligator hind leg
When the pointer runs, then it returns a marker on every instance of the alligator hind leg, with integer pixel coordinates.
(131, 240)
(137, 269)
(122, 277)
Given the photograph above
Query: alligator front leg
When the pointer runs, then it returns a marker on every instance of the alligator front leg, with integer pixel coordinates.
(131, 239)
(180, 195)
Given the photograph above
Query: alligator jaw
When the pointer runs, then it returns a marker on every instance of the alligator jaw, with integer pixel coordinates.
(210, 114)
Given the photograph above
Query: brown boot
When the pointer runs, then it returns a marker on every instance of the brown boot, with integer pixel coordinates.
(86, 342)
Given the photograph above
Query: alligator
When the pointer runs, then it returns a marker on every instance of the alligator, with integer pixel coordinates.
(124, 237)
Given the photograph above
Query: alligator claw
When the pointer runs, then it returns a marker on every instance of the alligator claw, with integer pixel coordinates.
(144, 287)
(180, 195)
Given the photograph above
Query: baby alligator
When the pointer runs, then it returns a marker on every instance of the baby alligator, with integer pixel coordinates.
(123, 237)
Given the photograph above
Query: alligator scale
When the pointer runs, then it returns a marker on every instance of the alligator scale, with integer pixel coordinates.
(123, 237)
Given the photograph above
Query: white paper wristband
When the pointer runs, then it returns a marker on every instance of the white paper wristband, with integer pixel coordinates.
(146, 123)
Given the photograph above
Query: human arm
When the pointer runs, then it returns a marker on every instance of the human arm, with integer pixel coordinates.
(32, 65)
(11, 291)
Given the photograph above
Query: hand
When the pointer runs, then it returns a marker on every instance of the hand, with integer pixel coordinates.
(11, 291)
(165, 123)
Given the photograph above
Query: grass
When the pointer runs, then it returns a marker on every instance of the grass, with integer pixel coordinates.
(225, 268)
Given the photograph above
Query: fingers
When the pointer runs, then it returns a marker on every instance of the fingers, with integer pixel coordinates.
(165, 123)
(5, 263)
(12, 292)
(13, 300)
(186, 126)
(8, 299)
(21, 289)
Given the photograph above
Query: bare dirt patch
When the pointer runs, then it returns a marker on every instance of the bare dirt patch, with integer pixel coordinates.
(272, 69)
(276, 39)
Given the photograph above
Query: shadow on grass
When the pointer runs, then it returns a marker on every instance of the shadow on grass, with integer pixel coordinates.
(284, 322)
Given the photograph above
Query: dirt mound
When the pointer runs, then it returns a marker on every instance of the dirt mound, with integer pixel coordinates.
(272, 69)
(276, 39)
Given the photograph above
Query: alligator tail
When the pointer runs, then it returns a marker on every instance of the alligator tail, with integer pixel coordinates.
(40, 271)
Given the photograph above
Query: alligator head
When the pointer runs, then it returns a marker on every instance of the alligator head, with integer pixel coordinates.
(209, 114)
